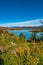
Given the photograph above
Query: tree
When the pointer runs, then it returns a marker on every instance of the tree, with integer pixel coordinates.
(41, 38)
(22, 38)
(33, 38)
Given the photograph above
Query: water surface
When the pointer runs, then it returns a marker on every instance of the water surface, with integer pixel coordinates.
(24, 32)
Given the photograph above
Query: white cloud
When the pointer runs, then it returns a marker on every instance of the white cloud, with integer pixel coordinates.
(25, 23)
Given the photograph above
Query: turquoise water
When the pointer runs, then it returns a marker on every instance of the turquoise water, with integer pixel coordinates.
(24, 32)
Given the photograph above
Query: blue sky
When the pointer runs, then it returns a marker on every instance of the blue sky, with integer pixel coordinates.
(12, 11)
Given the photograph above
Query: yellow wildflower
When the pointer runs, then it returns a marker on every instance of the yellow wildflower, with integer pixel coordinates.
(28, 50)
(20, 50)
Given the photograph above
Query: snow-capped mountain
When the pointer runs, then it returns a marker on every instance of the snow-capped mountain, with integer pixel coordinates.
(37, 22)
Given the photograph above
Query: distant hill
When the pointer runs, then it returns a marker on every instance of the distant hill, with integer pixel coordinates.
(4, 28)
(21, 28)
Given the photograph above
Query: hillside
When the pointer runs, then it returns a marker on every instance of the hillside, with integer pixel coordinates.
(15, 50)
(21, 28)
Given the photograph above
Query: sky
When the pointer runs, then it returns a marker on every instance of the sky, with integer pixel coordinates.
(12, 11)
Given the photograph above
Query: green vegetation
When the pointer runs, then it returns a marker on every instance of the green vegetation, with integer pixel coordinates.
(17, 51)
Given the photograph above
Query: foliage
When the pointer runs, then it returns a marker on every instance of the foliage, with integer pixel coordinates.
(14, 51)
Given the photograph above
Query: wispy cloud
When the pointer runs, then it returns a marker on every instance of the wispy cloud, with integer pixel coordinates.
(25, 23)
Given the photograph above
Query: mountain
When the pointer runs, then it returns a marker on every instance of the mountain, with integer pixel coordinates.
(21, 28)
(4, 28)
(36, 22)
(32, 24)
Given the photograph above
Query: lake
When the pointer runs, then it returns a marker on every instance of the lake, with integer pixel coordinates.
(24, 32)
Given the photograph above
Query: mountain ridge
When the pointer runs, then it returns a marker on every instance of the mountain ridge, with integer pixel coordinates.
(35, 22)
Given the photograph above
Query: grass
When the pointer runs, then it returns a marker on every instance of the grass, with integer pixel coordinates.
(17, 51)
